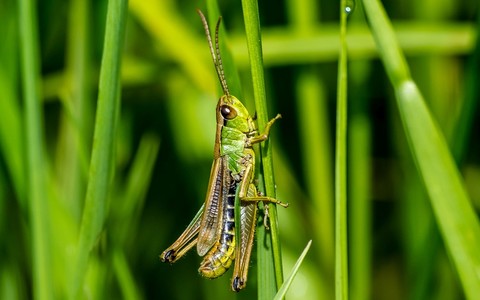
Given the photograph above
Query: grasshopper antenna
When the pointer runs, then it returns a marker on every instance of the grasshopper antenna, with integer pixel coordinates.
(215, 52)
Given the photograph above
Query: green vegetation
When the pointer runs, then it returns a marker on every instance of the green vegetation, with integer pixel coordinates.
(107, 128)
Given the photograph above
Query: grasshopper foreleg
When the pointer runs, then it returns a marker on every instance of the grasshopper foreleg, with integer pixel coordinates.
(263, 136)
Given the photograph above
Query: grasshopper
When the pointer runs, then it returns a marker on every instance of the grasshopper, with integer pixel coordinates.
(212, 229)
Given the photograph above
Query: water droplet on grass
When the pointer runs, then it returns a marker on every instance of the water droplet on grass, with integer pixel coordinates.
(349, 7)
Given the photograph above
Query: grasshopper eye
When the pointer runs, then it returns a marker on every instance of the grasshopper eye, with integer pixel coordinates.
(228, 112)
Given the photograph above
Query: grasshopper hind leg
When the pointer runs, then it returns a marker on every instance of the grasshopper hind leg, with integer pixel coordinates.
(248, 219)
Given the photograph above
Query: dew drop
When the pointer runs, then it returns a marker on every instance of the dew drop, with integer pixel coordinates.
(349, 6)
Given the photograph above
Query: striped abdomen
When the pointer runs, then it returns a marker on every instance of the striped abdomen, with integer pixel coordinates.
(220, 257)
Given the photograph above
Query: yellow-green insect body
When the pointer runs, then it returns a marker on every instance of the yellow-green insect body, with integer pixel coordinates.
(232, 175)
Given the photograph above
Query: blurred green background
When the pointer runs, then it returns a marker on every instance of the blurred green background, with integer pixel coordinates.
(164, 144)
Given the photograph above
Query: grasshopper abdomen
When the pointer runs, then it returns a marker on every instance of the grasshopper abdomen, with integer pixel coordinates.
(220, 257)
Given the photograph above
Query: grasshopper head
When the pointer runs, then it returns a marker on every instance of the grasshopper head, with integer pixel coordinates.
(232, 113)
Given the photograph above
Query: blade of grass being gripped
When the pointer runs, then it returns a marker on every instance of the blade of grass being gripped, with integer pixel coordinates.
(284, 288)
(267, 288)
(453, 210)
(341, 259)
(102, 155)
(35, 152)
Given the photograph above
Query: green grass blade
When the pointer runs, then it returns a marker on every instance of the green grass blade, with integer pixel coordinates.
(74, 140)
(36, 166)
(286, 47)
(284, 288)
(313, 118)
(360, 206)
(463, 128)
(11, 127)
(124, 276)
(341, 259)
(141, 172)
(161, 20)
(101, 163)
(266, 281)
(454, 213)
(132, 193)
(252, 31)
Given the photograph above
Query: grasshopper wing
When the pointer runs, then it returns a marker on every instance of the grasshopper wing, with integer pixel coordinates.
(211, 224)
